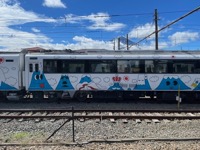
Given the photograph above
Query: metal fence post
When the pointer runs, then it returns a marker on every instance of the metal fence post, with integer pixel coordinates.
(73, 136)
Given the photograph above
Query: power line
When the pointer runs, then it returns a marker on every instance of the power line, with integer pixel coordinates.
(168, 25)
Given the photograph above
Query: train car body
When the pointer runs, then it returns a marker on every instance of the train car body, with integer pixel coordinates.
(11, 74)
(110, 74)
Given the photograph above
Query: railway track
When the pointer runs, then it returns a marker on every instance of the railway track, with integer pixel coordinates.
(112, 115)
(82, 115)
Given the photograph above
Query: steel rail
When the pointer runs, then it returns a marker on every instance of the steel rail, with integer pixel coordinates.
(102, 110)
(101, 117)
(129, 140)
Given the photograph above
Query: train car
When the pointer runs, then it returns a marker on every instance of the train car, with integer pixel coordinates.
(11, 75)
(88, 74)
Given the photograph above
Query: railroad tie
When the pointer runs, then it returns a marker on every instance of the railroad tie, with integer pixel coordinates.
(56, 114)
(21, 119)
(190, 114)
(156, 120)
(123, 120)
(136, 120)
(147, 120)
(6, 120)
(82, 119)
(111, 119)
(166, 121)
(98, 120)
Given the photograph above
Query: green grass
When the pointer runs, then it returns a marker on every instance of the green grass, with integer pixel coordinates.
(20, 135)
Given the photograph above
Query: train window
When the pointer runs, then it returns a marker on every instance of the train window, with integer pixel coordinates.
(76, 66)
(160, 66)
(64, 66)
(9, 60)
(50, 66)
(33, 58)
(170, 66)
(196, 66)
(102, 66)
(183, 66)
(123, 66)
(149, 66)
(30, 67)
(135, 66)
(128, 66)
(36, 67)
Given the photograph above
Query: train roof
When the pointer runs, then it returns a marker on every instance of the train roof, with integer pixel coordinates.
(112, 52)
(41, 51)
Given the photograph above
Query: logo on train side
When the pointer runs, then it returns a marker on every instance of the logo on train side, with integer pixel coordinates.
(1, 60)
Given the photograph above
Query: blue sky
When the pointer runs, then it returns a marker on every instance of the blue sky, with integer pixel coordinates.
(82, 24)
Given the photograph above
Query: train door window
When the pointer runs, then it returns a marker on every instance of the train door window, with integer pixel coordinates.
(149, 66)
(36, 67)
(30, 67)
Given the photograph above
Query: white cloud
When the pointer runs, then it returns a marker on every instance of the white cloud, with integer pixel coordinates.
(8, 15)
(16, 39)
(35, 30)
(142, 31)
(54, 3)
(82, 42)
(183, 37)
(10, 38)
(100, 21)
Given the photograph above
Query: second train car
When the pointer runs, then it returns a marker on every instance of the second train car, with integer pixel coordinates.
(87, 74)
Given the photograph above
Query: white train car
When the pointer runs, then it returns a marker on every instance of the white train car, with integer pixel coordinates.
(11, 74)
(89, 74)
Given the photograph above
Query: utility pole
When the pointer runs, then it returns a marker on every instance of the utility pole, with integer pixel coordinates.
(127, 42)
(118, 43)
(168, 25)
(156, 29)
(114, 45)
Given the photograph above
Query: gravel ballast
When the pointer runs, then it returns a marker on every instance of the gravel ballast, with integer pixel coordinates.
(30, 131)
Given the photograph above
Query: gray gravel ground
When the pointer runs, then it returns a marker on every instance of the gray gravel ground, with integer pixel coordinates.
(32, 132)
(118, 146)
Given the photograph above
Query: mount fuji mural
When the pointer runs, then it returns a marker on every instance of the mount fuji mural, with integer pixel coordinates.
(172, 83)
(4, 86)
(86, 83)
(116, 85)
(196, 84)
(7, 82)
(64, 83)
(39, 81)
(142, 83)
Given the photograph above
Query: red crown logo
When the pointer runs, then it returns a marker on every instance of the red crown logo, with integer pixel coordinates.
(1, 60)
(116, 79)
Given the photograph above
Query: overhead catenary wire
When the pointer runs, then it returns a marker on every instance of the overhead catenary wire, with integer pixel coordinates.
(198, 8)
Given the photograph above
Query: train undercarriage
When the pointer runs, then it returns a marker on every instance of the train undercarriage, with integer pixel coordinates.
(104, 95)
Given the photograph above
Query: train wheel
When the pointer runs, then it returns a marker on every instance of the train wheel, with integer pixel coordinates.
(2, 96)
(120, 96)
(81, 96)
(38, 96)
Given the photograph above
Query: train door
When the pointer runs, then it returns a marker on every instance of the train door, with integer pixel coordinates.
(36, 85)
(33, 75)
